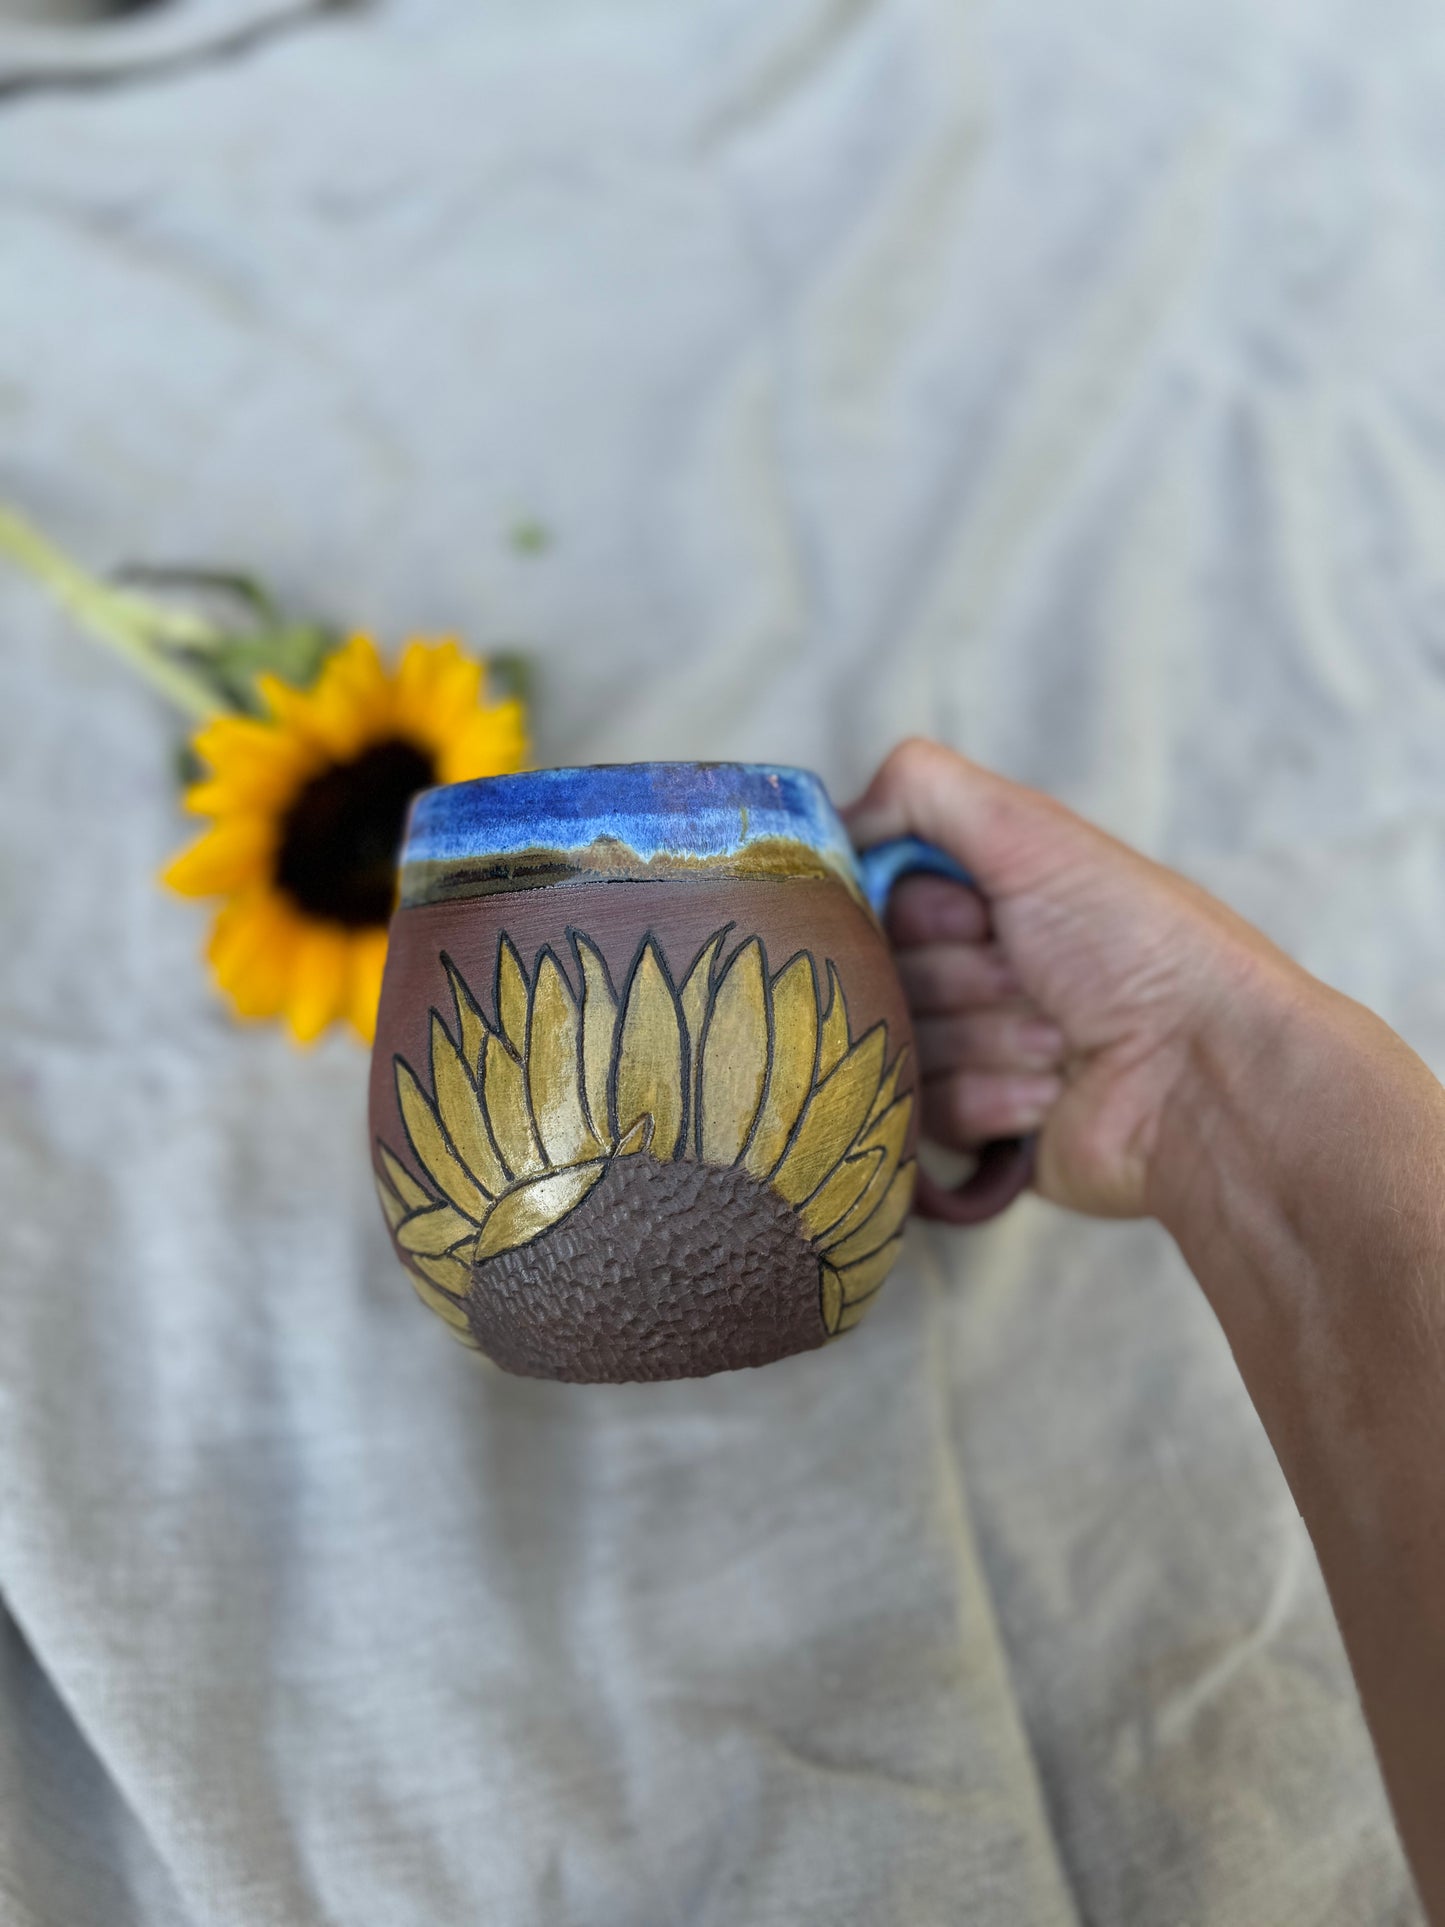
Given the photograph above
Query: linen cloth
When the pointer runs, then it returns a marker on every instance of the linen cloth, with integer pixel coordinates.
(1061, 381)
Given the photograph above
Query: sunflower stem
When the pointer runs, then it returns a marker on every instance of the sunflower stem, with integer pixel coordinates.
(134, 626)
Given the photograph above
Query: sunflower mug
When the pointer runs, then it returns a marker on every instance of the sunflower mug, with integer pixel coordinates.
(642, 1096)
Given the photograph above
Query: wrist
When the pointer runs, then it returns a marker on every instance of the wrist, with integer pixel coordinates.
(1299, 1168)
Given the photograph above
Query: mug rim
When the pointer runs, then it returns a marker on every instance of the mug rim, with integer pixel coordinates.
(640, 821)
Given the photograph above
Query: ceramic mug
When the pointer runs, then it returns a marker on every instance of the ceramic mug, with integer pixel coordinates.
(643, 1091)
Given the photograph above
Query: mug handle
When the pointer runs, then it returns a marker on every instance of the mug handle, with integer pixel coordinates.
(1005, 1166)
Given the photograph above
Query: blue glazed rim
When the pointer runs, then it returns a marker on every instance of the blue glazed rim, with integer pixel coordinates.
(639, 821)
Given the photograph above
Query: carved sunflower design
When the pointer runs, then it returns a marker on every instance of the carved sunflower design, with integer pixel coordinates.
(656, 1180)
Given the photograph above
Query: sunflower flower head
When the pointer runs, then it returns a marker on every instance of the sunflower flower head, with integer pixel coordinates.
(308, 800)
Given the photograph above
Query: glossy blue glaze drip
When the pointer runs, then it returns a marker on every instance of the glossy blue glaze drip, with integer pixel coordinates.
(697, 810)
(882, 866)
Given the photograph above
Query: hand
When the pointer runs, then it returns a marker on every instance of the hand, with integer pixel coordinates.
(1069, 997)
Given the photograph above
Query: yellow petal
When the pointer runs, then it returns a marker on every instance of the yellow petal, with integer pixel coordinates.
(832, 1120)
(734, 1057)
(318, 980)
(554, 1068)
(492, 742)
(245, 925)
(795, 1047)
(242, 748)
(832, 1298)
(402, 1181)
(433, 1152)
(881, 1226)
(648, 1072)
(637, 1139)
(258, 791)
(839, 1193)
(391, 1204)
(435, 1300)
(511, 996)
(256, 975)
(834, 1041)
(889, 1086)
(453, 1273)
(366, 965)
(504, 1094)
(888, 1134)
(853, 1314)
(460, 1110)
(534, 1207)
(694, 1001)
(431, 1233)
(863, 1279)
(354, 674)
(599, 1023)
(472, 1024)
(230, 856)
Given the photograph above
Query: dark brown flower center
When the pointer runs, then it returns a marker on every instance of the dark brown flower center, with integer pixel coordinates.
(663, 1271)
(342, 834)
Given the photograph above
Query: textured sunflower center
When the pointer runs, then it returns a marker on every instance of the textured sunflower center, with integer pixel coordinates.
(341, 836)
(665, 1270)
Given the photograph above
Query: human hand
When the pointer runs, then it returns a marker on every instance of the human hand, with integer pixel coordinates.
(1068, 997)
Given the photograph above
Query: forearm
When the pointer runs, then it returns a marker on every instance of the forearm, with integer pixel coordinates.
(1301, 1168)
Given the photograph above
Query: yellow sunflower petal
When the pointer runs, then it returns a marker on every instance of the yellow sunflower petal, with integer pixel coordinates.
(839, 1193)
(433, 1151)
(863, 1279)
(889, 1086)
(492, 742)
(882, 1225)
(734, 1057)
(429, 1234)
(534, 1207)
(599, 1024)
(402, 1181)
(460, 1109)
(693, 997)
(232, 855)
(472, 1026)
(504, 1095)
(889, 1134)
(365, 966)
(832, 1298)
(391, 1204)
(648, 1072)
(511, 996)
(317, 989)
(795, 1046)
(355, 676)
(239, 748)
(832, 1120)
(639, 1138)
(834, 1041)
(554, 1068)
(253, 966)
(437, 1300)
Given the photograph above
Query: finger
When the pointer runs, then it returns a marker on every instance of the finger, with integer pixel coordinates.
(970, 1107)
(942, 977)
(1011, 838)
(931, 910)
(1013, 1039)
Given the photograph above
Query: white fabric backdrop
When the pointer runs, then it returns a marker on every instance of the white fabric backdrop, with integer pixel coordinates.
(1064, 381)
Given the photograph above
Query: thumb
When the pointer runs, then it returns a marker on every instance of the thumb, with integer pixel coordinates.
(1009, 837)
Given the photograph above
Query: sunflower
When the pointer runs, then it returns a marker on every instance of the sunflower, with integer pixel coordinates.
(733, 1126)
(309, 802)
